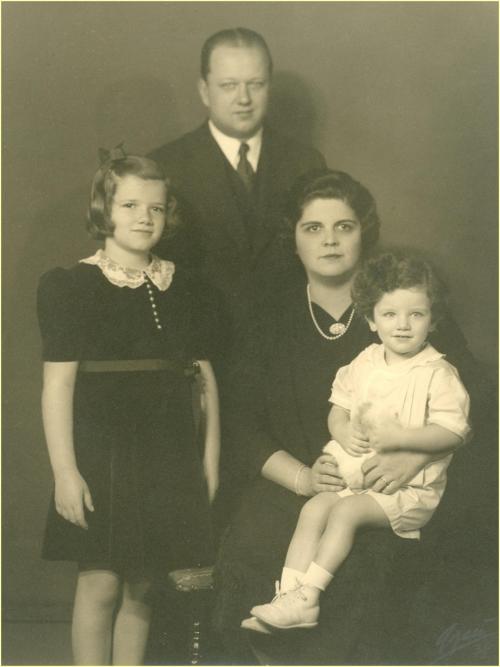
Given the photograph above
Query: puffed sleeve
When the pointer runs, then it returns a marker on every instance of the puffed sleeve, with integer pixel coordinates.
(448, 404)
(59, 316)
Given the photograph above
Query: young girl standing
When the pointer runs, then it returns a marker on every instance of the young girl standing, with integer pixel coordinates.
(124, 335)
(399, 395)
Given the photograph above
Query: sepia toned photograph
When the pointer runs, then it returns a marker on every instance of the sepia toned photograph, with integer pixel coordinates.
(250, 333)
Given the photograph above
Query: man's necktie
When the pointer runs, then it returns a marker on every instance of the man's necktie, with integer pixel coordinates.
(244, 169)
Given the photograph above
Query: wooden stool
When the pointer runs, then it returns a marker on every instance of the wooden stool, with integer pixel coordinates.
(197, 584)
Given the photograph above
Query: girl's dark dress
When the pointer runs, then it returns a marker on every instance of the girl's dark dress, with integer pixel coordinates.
(281, 383)
(134, 432)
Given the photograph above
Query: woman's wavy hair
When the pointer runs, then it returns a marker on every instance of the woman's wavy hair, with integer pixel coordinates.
(331, 184)
(99, 224)
(397, 270)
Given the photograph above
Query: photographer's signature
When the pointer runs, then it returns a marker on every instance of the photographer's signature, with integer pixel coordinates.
(458, 636)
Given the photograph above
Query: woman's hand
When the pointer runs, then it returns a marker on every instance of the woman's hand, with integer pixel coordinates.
(71, 496)
(388, 472)
(322, 476)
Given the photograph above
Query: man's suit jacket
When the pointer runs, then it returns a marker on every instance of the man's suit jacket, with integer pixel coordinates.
(213, 240)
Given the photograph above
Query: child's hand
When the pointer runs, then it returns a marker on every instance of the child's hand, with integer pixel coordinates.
(358, 441)
(71, 495)
(386, 434)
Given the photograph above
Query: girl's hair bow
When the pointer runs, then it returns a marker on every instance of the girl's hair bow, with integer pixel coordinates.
(115, 153)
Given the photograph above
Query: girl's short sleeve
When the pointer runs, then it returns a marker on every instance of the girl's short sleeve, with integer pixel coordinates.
(342, 388)
(448, 404)
(59, 316)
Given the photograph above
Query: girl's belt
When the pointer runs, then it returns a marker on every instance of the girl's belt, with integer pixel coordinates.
(130, 365)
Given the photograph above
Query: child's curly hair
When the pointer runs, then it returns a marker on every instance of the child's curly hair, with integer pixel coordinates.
(396, 270)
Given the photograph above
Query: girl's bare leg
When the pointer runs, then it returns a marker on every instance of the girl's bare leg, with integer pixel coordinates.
(312, 522)
(132, 625)
(97, 593)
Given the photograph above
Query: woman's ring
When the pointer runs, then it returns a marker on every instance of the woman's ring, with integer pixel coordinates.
(386, 483)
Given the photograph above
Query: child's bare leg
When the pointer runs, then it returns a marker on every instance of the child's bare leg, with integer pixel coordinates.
(348, 516)
(97, 593)
(132, 625)
(312, 522)
(299, 608)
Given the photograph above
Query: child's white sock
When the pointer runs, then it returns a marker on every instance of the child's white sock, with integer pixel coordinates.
(317, 576)
(289, 578)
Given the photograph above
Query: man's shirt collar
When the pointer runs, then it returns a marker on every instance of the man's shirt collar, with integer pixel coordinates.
(231, 146)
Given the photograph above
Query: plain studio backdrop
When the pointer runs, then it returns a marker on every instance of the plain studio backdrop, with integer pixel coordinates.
(403, 96)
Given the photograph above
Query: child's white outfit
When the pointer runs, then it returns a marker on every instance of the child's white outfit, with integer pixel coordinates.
(422, 390)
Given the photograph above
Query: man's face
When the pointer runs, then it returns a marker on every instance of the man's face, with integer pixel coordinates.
(236, 90)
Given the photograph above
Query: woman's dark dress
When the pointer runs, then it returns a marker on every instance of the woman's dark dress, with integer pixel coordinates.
(134, 432)
(279, 401)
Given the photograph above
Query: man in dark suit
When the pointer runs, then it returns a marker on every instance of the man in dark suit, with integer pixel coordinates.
(230, 177)
(231, 174)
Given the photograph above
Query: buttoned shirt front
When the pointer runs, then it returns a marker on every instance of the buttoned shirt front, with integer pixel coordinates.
(231, 146)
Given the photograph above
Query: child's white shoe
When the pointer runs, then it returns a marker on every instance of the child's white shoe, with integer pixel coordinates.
(254, 624)
(296, 608)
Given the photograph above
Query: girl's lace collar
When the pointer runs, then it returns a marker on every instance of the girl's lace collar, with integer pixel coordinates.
(160, 271)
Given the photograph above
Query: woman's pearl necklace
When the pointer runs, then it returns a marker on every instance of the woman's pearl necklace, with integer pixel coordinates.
(338, 329)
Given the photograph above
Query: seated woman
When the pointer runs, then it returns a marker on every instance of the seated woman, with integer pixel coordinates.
(400, 394)
(276, 419)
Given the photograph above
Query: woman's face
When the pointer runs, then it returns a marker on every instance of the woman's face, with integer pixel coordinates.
(328, 239)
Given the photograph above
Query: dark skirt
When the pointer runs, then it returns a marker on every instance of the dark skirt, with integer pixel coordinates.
(136, 448)
(361, 611)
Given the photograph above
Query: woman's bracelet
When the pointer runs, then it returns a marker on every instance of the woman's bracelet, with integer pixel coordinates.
(297, 479)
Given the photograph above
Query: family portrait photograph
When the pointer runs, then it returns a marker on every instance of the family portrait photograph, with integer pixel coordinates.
(250, 332)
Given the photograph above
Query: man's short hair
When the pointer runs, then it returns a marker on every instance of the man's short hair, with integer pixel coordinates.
(239, 37)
